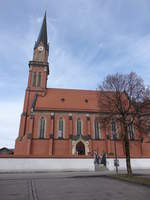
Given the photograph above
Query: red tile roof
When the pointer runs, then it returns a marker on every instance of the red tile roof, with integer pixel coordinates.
(68, 100)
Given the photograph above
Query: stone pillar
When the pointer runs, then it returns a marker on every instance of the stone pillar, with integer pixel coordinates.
(90, 147)
(22, 125)
(30, 130)
(29, 141)
(29, 135)
(70, 146)
(50, 147)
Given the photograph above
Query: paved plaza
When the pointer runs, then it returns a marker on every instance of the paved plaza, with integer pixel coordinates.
(68, 185)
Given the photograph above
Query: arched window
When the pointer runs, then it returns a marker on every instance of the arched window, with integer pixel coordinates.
(114, 129)
(131, 131)
(79, 127)
(97, 129)
(34, 79)
(60, 128)
(42, 127)
(39, 79)
(148, 129)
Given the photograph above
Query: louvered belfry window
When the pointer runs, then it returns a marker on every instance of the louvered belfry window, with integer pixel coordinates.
(34, 79)
(39, 79)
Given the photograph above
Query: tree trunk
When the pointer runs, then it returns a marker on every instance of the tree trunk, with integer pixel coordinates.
(127, 151)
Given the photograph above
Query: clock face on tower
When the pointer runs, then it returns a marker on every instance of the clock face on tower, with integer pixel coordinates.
(40, 48)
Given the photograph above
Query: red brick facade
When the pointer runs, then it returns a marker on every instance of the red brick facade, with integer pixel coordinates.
(63, 122)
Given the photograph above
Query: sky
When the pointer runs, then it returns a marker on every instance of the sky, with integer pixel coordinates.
(88, 40)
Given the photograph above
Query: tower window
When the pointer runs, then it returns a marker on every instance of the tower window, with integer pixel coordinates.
(39, 55)
(34, 79)
(39, 79)
(97, 129)
(42, 127)
(60, 128)
(79, 127)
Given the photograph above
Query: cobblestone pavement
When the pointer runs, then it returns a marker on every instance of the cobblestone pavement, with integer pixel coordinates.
(68, 185)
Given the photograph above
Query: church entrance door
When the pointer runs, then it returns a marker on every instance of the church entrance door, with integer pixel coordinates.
(80, 148)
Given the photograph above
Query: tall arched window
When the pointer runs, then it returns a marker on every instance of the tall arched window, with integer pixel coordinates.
(148, 129)
(97, 129)
(79, 127)
(34, 79)
(131, 131)
(42, 127)
(114, 129)
(60, 128)
(39, 79)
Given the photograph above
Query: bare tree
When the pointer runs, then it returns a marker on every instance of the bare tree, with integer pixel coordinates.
(124, 98)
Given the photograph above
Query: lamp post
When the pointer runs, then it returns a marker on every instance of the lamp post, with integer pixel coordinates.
(115, 146)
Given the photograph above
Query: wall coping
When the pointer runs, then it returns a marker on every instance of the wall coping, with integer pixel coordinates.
(48, 157)
(68, 157)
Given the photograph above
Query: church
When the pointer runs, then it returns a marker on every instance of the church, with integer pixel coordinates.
(64, 122)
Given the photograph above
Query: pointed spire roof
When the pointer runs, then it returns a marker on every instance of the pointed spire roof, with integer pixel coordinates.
(43, 34)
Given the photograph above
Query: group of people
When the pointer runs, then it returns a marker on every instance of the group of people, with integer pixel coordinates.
(100, 159)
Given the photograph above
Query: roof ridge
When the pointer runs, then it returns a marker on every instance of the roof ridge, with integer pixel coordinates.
(72, 89)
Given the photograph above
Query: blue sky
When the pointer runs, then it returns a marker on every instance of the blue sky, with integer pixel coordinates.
(88, 40)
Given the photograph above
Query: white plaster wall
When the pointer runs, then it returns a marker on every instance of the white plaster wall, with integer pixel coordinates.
(46, 164)
(65, 164)
(136, 163)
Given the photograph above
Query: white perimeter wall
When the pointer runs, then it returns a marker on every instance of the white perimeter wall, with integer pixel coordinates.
(65, 164)
(46, 164)
(136, 163)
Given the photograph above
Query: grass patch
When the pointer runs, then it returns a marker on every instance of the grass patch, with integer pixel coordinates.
(132, 179)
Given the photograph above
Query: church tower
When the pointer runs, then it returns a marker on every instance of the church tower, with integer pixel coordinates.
(37, 85)
(39, 68)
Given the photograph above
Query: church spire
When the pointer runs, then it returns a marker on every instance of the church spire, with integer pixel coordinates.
(41, 47)
(42, 38)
